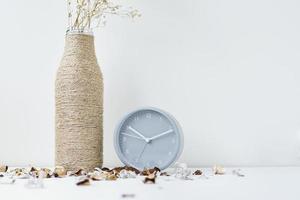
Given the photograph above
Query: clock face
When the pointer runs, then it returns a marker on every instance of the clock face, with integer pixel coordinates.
(148, 138)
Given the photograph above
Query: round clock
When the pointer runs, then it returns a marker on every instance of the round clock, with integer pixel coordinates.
(148, 138)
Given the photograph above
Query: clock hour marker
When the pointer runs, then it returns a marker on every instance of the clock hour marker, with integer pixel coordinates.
(127, 151)
(148, 115)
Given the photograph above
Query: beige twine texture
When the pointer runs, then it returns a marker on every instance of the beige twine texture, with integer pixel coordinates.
(79, 106)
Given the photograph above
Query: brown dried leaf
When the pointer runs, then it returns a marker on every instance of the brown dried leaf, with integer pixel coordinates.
(147, 172)
(156, 169)
(117, 170)
(33, 169)
(105, 169)
(33, 172)
(198, 172)
(136, 171)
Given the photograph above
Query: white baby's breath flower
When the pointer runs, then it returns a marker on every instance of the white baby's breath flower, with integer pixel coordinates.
(85, 15)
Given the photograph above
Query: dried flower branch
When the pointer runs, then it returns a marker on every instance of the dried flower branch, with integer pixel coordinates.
(85, 15)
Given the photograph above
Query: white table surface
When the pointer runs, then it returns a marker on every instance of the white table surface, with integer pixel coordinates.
(268, 183)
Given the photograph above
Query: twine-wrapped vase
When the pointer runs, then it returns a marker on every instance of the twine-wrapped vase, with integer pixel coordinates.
(79, 106)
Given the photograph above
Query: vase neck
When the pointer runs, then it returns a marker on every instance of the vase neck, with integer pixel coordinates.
(82, 44)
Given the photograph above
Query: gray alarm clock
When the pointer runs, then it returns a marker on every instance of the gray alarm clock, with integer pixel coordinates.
(148, 138)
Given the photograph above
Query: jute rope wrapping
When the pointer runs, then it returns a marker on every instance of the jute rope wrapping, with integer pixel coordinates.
(79, 106)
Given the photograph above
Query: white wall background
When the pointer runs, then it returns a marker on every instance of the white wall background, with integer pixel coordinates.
(229, 71)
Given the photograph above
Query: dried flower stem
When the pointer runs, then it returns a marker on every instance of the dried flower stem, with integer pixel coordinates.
(85, 15)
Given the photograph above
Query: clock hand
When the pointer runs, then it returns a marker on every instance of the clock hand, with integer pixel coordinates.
(139, 134)
(142, 152)
(162, 134)
(132, 136)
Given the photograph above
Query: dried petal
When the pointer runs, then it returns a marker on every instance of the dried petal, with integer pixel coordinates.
(126, 174)
(156, 169)
(105, 169)
(147, 172)
(136, 171)
(117, 170)
(20, 173)
(83, 181)
(198, 172)
(60, 171)
(164, 174)
(218, 170)
(3, 168)
(98, 169)
(97, 176)
(46, 173)
(33, 169)
(150, 179)
(33, 172)
(79, 172)
(111, 177)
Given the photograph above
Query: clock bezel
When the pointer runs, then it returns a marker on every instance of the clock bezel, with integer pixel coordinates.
(172, 120)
